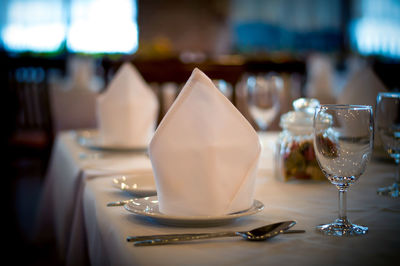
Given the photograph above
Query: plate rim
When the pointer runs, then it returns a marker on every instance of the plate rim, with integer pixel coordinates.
(131, 190)
(256, 207)
(92, 142)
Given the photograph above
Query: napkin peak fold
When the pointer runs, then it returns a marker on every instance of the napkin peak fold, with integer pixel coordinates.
(127, 111)
(204, 153)
(126, 83)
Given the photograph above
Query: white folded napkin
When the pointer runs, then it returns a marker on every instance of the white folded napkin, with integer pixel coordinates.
(83, 113)
(204, 154)
(320, 79)
(78, 89)
(127, 111)
(362, 87)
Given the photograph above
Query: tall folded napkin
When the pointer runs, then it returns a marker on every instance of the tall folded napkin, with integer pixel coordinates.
(80, 90)
(320, 79)
(127, 111)
(362, 87)
(204, 153)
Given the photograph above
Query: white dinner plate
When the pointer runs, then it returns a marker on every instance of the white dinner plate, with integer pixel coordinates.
(138, 185)
(90, 139)
(148, 207)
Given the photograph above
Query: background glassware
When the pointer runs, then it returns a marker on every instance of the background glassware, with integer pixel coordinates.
(224, 87)
(343, 141)
(388, 126)
(263, 99)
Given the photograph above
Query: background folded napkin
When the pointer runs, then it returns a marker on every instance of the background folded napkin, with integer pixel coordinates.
(362, 87)
(127, 111)
(204, 153)
(320, 79)
(79, 88)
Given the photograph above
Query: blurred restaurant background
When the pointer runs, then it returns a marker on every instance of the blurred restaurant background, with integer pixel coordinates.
(56, 56)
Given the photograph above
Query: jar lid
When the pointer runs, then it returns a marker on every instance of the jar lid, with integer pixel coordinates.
(302, 116)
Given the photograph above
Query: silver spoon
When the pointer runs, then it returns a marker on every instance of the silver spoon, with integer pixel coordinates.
(257, 234)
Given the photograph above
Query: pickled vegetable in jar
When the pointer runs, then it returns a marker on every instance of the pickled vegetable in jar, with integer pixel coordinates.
(295, 157)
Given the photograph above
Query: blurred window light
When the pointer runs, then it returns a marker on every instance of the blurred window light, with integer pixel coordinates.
(34, 25)
(376, 28)
(103, 26)
(85, 26)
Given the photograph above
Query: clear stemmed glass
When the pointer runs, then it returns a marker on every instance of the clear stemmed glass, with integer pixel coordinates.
(343, 144)
(263, 99)
(387, 122)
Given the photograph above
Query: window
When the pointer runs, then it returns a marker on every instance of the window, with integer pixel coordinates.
(375, 29)
(85, 26)
(34, 26)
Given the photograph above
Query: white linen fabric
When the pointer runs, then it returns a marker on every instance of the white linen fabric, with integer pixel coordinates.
(73, 98)
(320, 79)
(127, 111)
(362, 87)
(308, 203)
(60, 214)
(204, 153)
(95, 234)
(81, 106)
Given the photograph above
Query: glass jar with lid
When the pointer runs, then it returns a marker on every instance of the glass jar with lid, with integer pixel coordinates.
(295, 158)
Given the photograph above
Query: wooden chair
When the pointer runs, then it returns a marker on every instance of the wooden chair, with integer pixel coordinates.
(31, 136)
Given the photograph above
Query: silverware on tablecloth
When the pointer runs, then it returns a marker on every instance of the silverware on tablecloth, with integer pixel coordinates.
(257, 234)
(119, 203)
(167, 236)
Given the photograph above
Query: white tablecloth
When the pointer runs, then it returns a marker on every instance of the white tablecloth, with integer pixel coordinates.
(78, 189)
(60, 212)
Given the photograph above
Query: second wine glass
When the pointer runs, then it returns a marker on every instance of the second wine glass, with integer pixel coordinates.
(263, 98)
(343, 141)
(388, 126)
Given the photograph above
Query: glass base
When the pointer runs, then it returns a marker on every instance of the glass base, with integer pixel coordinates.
(391, 191)
(342, 227)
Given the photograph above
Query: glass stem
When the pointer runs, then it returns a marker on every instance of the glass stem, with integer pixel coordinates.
(342, 204)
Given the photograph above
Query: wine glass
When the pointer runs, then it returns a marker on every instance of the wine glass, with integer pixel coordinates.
(224, 87)
(388, 126)
(343, 141)
(263, 99)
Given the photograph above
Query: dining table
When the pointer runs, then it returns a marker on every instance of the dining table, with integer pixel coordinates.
(79, 184)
